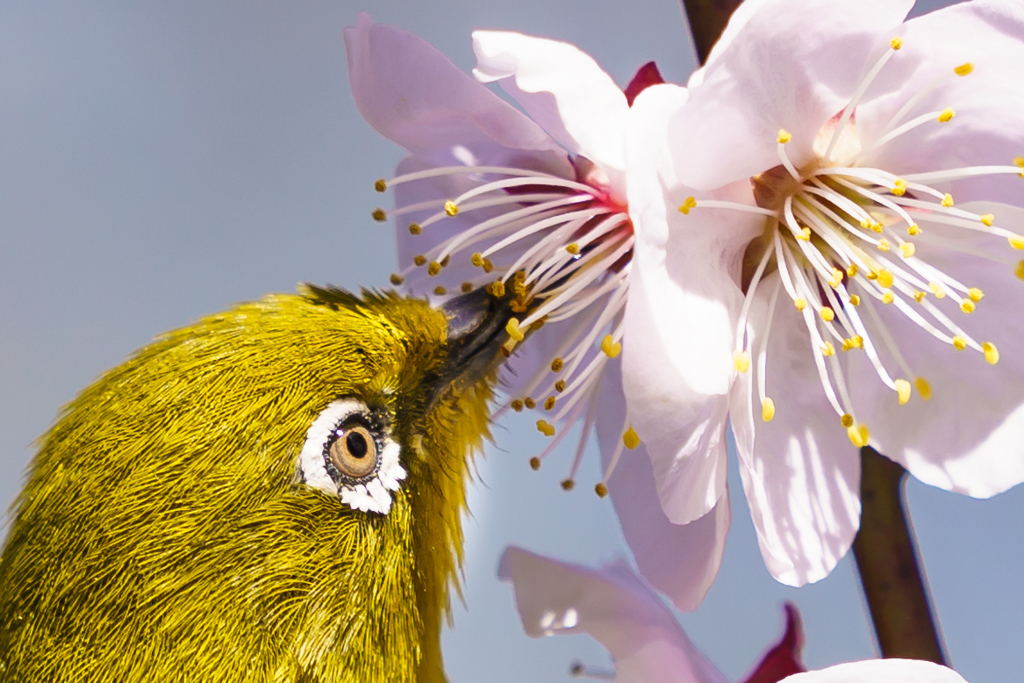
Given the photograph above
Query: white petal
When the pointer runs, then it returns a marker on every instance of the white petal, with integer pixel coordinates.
(562, 88)
(969, 437)
(414, 95)
(800, 472)
(680, 318)
(680, 560)
(879, 671)
(790, 66)
(615, 607)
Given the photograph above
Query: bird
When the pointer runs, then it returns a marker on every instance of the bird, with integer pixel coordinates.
(271, 494)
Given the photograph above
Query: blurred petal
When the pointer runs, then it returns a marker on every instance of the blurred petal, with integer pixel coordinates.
(562, 88)
(680, 560)
(413, 95)
(881, 671)
(792, 65)
(615, 607)
(784, 659)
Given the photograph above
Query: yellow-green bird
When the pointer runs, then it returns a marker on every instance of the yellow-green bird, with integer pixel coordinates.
(271, 494)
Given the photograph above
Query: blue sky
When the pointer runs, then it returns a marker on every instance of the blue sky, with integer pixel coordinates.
(160, 161)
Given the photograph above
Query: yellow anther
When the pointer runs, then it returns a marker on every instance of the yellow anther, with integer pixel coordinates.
(877, 227)
(631, 439)
(451, 208)
(380, 185)
(888, 297)
(855, 299)
(549, 403)
(959, 343)
(847, 344)
(497, 289)
(556, 365)
(488, 266)
(859, 435)
(767, 409)
(899, 188)
(1018, 161)
(923, 388)
(852, 270)
(396, 279)
(741, 361)
(946, 115)
(415, 229)
(883, 245)
(947, 200)
(433, 269)
(535, 463)
(1016, 241)
(866, 224)
(963, 69)
(919, 296)
(913, 230)
(516, 405)
(967, 306)
(568, 484)
(784, 136)
(908, 249)
(610, 347)
(560, 386)
(991, 353)
(379, 215)
(885, 278)
(440, 291)
(466, 287)
(688, 204)
(903, 391)
(477, 260)
(872, 275)
(419, 259)
(545, 428)
(601, 489)
(572, 248)
(846, 420)
(987, 219)
(937, 290)
(514, 331)
(896, 43)
(828, 349)
(529, 403)
(858, 341)
(827, 314)
(445, 261)
(801, 304)
(1019, 270)
(836, 279)
(804, 234)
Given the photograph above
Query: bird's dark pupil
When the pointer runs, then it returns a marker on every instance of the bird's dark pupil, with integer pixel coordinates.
(356, 444)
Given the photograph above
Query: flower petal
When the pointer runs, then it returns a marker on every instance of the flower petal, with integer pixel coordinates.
(615, 607)
(413, 95)
(877, 670)
(969, 437)
(800, 472)
(790, 66)
(680, 318)
(562, 88)
(783, 659)
(680, 560)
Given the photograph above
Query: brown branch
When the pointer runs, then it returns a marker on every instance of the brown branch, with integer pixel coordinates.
(707, 20)
(887, 561)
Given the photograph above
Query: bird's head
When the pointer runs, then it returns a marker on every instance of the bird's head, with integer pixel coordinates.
(273, 493)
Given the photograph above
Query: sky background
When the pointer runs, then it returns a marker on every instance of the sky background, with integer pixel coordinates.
(162, 160)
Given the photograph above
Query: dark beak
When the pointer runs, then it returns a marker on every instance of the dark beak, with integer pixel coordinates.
(476, 335)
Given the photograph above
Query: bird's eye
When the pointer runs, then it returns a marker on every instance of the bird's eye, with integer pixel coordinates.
(349, 453)
(352, 450)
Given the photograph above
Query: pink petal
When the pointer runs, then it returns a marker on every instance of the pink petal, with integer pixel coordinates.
(879, 671)
(790, 66)
(413, 95)
(680, 560)
(615, 607)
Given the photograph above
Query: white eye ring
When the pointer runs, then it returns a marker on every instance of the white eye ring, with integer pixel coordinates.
(373, 495)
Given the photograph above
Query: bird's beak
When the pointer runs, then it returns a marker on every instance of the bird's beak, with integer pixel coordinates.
(476, 335)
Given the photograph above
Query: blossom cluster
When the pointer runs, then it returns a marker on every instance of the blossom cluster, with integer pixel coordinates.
(815, 246)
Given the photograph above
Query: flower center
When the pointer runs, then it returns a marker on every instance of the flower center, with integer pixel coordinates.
(842, 238)
(563, 247)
